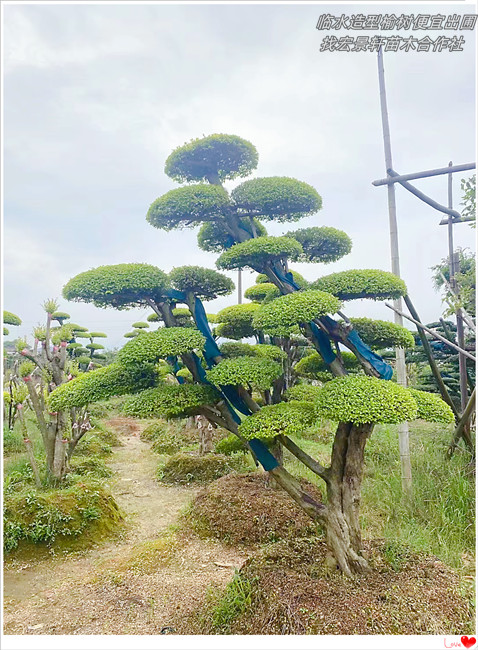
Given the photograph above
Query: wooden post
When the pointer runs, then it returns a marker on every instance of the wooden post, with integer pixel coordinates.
(403, 431)
(460, 334)
(239, 287)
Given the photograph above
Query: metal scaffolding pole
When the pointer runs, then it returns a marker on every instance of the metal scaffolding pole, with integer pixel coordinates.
(403, 431)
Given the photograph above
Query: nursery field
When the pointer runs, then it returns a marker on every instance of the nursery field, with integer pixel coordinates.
(229, 555)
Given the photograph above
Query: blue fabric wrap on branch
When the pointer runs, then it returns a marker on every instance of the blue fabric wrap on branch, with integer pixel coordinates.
(377, 362)
(232, 398)
(173, 361)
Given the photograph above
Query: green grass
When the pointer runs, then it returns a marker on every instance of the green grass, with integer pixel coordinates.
(236, 599)
(439, 519)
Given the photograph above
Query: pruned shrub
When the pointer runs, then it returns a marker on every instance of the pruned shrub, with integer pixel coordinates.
(186, 467)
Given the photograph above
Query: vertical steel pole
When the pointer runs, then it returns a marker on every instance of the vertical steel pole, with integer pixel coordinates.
(403, 430)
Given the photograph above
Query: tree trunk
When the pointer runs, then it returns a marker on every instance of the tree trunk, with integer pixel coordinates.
(205, 435)
(343, 498)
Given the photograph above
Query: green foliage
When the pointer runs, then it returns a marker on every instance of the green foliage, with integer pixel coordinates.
(11, 319)
(230, 445)
(77, 328)
(60, 316)
(383, 334)
(269, 352)
(165, 342)
(100, 335)
(465, 278)
(138, 325)
(12, 441)
(205, 283)
(153, 318)
(120, 286)
(257, 373)
(185, 207)
(468, 187)
(431, 407)
(322, 244)
(62, 334)
(186, 467)
(303, 393)
(50, 306)
(43, 517)
(277, 197)
(214, 236)
(257, 253)
(362, 283)
(95, 346)
(265, 291)
(26, 368)
(286, 418)
(236, 600)
(312, 365)
(361, 399)
(299, 279)
(439, 518)
(39, 333)
(236, 321)
(131, 335)
(232, 349)
(171, 401)
(6, 331)
(281, 315)
(216, 157)
(100, 384)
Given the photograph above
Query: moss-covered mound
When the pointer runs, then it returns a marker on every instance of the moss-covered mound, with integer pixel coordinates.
(51, 517)
(244, 509)
(185, 467)
(284, 590)
(166, 438)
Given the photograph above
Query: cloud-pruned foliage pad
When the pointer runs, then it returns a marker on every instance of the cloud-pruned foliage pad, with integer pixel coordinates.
(289, 419)
(171, 401)
(281, 315)
(100, 384)
(235, 322)
(11, 319)
(256, 253)
(119, 285)
(431, 407)
(322, 244)
(277, 197)
(299, 279)
(383, 334)
(362, 283)
(361, 399)
(226, 156)
(185, 207)
(259, 373)
(264, 291)
(202, 282)
(148, 347)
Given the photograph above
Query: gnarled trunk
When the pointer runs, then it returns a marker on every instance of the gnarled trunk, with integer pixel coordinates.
(343, 498)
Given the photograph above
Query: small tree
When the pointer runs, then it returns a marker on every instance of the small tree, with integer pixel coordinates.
(228, 390)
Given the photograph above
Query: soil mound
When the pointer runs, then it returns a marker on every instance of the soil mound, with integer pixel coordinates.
(245, 509)
(286, 590)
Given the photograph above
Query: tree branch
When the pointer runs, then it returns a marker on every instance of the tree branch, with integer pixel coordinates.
(304, 458)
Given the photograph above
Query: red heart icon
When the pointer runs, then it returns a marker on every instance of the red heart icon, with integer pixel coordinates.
(468, 641)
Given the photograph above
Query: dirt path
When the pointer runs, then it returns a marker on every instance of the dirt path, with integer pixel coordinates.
(107, 589)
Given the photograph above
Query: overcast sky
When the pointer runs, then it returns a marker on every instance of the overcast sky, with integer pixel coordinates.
(97, 96)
